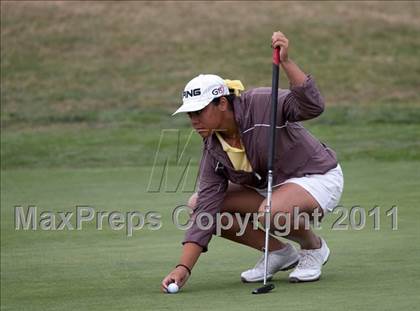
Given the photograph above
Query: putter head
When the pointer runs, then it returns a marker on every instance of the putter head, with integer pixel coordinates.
(264, 289)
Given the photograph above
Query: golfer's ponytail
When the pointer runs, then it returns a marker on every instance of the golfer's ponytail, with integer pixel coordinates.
(235, 86)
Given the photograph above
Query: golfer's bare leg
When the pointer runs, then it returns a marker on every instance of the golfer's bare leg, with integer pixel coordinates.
(242, 200)
(284, 199)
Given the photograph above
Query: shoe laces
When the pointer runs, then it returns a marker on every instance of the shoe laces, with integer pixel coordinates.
(307, 259)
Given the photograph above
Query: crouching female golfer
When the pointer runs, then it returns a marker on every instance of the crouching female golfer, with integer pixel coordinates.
(233, 171)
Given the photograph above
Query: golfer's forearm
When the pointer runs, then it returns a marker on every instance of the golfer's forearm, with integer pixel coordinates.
(190, 254)
(295, 75)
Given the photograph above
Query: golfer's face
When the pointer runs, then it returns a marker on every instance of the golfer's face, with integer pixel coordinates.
(206, 120)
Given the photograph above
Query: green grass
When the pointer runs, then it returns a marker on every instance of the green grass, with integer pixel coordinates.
(106, 270)
(92, 85)
(379, 132)
(76, 61)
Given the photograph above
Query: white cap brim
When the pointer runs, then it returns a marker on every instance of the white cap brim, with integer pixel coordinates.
(189, 107)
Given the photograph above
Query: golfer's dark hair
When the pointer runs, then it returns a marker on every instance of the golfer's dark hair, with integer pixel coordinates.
(230, 98)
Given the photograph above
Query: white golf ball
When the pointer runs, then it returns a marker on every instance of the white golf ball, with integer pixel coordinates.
(173, 288)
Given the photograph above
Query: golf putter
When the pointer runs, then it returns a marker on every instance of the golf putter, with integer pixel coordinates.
(271, 152)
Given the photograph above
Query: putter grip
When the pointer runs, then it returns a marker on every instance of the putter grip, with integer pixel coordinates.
(276, 56)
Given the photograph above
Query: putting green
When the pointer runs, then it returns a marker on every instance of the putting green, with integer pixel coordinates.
(96, 270)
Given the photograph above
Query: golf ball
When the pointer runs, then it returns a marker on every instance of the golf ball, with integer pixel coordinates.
(173, 288)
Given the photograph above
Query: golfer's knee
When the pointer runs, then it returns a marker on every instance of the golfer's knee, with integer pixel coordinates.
(192, 201)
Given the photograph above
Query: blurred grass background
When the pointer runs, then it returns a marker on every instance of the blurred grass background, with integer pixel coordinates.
(92, 84)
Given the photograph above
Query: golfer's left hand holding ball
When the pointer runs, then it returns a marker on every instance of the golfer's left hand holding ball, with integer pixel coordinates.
(179, 276)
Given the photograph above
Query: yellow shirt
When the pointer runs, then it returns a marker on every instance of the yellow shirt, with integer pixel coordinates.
(237, 156)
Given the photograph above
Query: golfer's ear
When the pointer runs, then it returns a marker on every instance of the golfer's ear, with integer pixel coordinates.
(224, 104)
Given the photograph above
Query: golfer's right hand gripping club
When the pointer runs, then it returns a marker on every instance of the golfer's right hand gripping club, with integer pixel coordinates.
(271, 153)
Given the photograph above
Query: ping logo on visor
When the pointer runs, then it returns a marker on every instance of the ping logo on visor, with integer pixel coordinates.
(191, 93)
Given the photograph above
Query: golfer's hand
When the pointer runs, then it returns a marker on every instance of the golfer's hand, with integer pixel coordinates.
(179, 276)
(279, 40)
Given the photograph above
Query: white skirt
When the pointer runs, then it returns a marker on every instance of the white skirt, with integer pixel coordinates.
(325, 188)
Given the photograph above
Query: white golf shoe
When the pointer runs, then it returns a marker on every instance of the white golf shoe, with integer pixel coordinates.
(310, 264)
(281, 260)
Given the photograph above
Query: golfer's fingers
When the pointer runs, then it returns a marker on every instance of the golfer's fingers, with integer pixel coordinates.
(166, 281)
(277, 35)
(181, 281)
(283, 42)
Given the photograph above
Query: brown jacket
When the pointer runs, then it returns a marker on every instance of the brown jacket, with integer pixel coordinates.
(297, 152)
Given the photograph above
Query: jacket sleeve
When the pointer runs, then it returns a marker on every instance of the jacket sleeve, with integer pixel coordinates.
(211, 192)
(303, 102)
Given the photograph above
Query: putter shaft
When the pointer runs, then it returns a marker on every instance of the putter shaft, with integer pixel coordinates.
(271, 154)
(267, 212)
